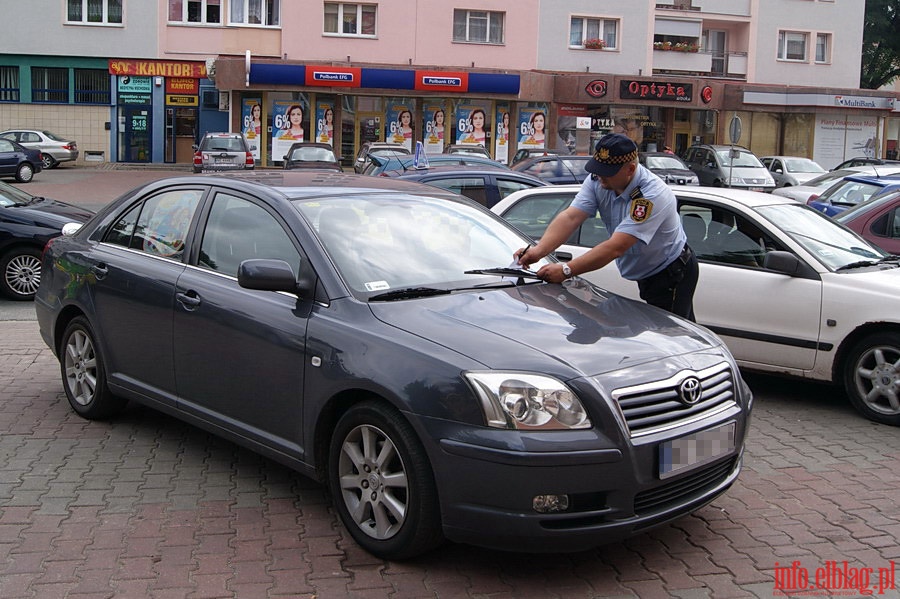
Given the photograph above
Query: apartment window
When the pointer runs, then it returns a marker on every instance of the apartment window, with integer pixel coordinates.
(350, 19)
(823, 47)
(91, 86)
(49, 85)
(94, 11)
(791, 45)
(195, 11)
(585, 28)
(478, 26)
(9, 84)
(255, 12)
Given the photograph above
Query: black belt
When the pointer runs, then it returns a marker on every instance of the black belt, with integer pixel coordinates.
(674, 268)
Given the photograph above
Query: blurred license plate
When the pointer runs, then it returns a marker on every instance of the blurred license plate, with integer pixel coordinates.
(223, 160)
(756, 189)
(695, 450)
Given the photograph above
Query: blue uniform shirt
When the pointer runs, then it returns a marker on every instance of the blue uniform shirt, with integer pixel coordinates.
(647, 210)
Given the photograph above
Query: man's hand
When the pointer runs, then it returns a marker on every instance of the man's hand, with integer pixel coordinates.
(552, 273)
(527, 255)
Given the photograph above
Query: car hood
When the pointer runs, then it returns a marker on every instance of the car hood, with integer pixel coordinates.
(676, 172)
(802, 178)
(536, 326)
(52, 213)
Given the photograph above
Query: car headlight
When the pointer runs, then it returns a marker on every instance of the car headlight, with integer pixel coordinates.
(522, 401)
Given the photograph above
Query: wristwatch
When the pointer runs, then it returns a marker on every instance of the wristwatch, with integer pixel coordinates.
(567, 272)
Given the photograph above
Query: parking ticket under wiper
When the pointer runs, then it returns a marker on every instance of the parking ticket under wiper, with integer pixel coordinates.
(505, 272)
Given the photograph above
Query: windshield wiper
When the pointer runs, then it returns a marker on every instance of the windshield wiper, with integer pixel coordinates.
(860, 264)
(408, 293)
(523, 273)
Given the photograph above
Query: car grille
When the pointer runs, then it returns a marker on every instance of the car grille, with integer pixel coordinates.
(659, 406)
(678, 490)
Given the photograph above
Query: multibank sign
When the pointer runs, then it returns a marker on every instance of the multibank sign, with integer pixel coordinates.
(818, 100)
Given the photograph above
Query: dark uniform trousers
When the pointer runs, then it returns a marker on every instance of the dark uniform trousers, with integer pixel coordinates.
(673, 287)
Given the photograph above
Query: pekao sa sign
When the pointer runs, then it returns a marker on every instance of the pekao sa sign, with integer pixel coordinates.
(662, 91)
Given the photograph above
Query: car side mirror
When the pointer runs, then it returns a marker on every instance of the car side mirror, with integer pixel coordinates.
(788, 264)
(268, 275)
(195, 147)
(778, 170)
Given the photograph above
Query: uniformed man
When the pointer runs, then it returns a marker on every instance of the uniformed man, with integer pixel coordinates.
(647, 242)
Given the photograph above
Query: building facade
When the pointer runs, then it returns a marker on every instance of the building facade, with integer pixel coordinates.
(505, 75)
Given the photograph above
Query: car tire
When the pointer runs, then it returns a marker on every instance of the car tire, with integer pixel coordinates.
(20, 273)
(48, 161)
(374, 446)
(197, 170)
(25, 172)
(872, 377)
(83, 372)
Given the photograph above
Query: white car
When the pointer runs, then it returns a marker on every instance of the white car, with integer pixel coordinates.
(816, 185)
(792, 170)
(54, 148)
(789, 290)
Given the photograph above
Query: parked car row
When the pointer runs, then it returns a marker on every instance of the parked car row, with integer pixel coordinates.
(53, 148)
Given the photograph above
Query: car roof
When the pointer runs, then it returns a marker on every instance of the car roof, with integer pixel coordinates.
(300, 184)
(873, 178)
(750, 199)
(464, 169)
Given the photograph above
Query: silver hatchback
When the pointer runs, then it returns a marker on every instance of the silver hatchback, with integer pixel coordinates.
(222, 152)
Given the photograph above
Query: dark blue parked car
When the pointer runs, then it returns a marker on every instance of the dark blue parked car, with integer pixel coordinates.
(368, 332)
(853, 190)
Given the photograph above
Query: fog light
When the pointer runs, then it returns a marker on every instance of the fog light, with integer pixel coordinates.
(550, 504)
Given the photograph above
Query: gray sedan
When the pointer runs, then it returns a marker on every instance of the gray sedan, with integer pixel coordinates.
(371, 333)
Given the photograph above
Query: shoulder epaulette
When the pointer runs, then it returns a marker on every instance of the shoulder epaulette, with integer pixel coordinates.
(636, 193)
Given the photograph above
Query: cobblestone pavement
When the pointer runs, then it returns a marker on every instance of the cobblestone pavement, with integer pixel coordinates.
(145, 506)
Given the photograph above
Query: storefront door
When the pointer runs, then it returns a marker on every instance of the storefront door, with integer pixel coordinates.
(181, 134)
(135, 143)
(369, 127)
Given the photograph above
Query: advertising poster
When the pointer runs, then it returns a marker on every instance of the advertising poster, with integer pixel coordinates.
(288, 126)
(840, 136)
(434, 118)
(399, 125)
(325, 123)
(501, 140)
(532, 127)
(251, 124)
(472, 125)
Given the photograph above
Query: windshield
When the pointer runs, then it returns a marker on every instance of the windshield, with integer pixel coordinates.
(388, 242)
(12, 196)
(802, 165)
(834, 245)
(742, 159)
(669, 162)
(849, 192)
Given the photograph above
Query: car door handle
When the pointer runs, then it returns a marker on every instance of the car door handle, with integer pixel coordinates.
(100, 271)
(189, 300)
(563, 256)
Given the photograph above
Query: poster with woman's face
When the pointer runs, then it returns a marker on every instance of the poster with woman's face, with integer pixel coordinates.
(501, 139)
(251, 124)
(289, 123)
(472, 126)
(399, 124)
(434, 119)
(532, 127)
(325, 123)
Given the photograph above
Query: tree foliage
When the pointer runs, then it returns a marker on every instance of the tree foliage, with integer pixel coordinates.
(881, 44)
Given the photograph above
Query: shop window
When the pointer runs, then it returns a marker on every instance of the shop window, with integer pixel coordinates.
(255, 12)
(9, 84)
(195, 11)
(108, 12)
(350, 19)
(585, 32)
(92, 86)
(49, 85)
(478, 26)
(792, 45)
(823, 48)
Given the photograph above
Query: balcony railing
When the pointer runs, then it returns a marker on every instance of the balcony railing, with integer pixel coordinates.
(726, 65)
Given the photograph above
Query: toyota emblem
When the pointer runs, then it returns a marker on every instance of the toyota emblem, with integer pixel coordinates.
(689, 391)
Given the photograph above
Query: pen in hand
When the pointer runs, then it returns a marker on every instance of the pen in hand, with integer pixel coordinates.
(523, 252)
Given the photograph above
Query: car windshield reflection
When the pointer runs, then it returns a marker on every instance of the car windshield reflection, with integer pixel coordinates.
(390, 243)
(834, 245)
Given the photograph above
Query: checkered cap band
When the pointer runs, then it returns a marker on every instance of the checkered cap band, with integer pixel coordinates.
(603, 156)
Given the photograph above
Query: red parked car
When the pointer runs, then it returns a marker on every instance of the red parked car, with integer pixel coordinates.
(878, 220)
